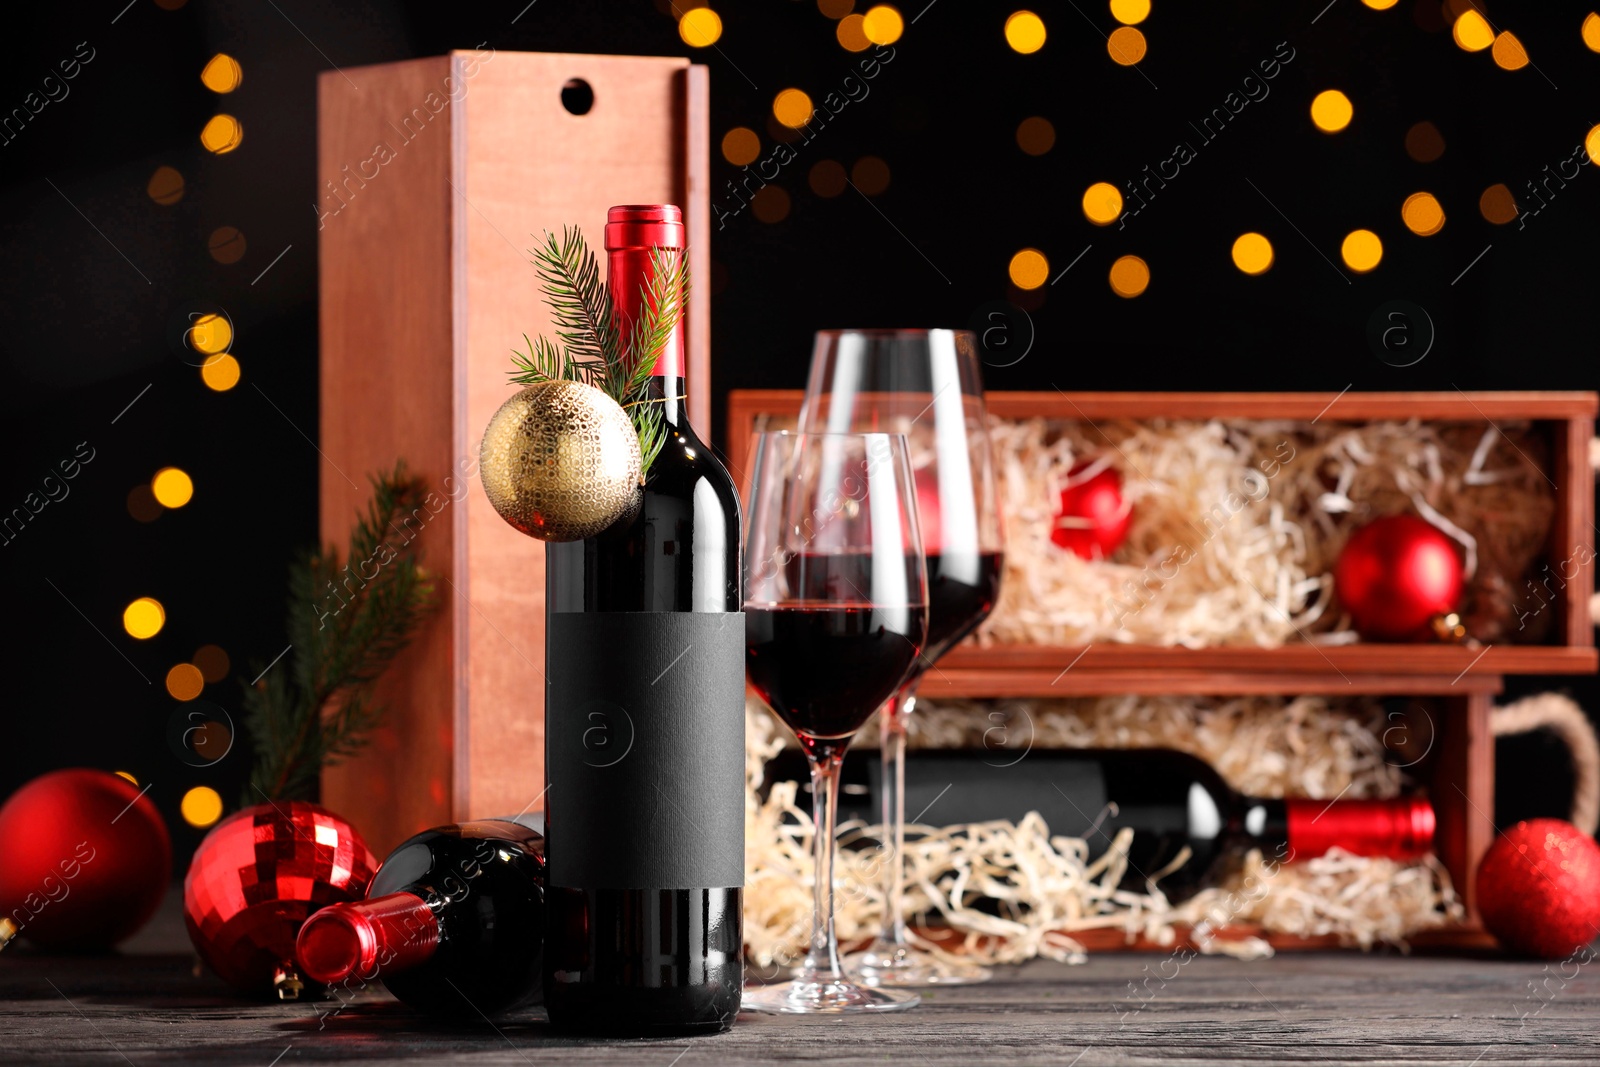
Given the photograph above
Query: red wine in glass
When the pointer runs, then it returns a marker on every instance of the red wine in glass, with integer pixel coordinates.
(961, 593)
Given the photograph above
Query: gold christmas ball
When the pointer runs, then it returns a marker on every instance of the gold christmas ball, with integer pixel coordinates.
(560, 461)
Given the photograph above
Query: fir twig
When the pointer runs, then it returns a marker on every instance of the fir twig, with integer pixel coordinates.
(347, 623)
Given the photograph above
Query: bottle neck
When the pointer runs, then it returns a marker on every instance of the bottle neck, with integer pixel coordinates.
(1400, 829)
(367, 938)
(672, 395)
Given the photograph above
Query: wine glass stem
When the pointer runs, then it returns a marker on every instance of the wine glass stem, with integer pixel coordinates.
(893, 724)
(822, 962)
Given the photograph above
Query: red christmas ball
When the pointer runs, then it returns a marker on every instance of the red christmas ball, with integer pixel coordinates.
(1395, 576)
(257, 876)
(84, 860)
(1093, 518)
(1539, 888)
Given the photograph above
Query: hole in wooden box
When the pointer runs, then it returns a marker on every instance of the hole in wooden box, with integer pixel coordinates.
(577, 96)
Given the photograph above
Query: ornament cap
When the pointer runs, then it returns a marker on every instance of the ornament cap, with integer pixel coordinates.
(1399, 829)
(287, 981)
(388, 933)
(8, 930)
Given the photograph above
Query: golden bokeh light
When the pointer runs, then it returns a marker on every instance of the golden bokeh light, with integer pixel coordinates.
(870, 174)
(1591, 31)
(1102, 204)
(827, 178)
(1252, 253)
(836, 9)
(741, 145)
(209, 334)
(1029, 269)
(201, 807)
(882, 24)
(1130, 276)
(852, 33)
(1130, 12)
(1126, 46)
(1331, 110)
(131, 779)
(220, 373)
(185, 682)
(1508, 52)
(770, 204)
(213, 662)
(165, 186)
(700, 27)
(1472, 31)
(223, 74)
(1380, 5)
(1036, 135)
(144, 618)
(1497, 205)
(1423, 214)
(1025, 32)
(222, 134)
(1591, 145)
(1424, 142)
(1361, 250)
(793, 108)
(172, 487)
(226, 244)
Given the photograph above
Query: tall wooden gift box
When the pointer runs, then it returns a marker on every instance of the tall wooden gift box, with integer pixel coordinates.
(435, 178)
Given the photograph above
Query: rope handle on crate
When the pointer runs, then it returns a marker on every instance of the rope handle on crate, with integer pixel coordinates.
(1562, 716)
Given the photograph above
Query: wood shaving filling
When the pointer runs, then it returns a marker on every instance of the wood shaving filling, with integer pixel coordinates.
(1013, 891)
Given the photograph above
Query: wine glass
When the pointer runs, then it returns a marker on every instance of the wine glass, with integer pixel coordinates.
(836, 611)
(923, 384)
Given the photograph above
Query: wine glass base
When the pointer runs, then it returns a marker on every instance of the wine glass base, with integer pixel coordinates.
(841, 996)
(888, 966)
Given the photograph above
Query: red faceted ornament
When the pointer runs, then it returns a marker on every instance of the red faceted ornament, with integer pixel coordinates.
(257, 876)
(1539, 889)
(84, 860)
(1395, 576)
(1094, 518)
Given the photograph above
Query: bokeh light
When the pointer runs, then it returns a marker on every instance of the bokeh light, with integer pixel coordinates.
(213, 662)
(130, 778)
(1508, 52)
(882, 24)
(1036, 135)
(1130, 12)
(1591, 31)
(1252, 253)
(172, 487)
(222, 134)
(1029, 269)
(222, 74)
(209, 334)
(852, 33)
(700, 27)
(836, 9)
(1472, 32)
(226, 244)
(1424, 142)
(793, 108)
(1591, 144)
(143, 618)
(1025, 32)
(1380, 5)
(870, 174)
(165, 186)
(1331, 110)
(1361, 250)
(1102, 204)
(770, 204)
(1497, 205)
(142, 504)
(741, 145)
(1130, 276)
(1422, 214)
(220, 373)
(201, 807)
(185, 682)
(1126, 46)
(827, 178)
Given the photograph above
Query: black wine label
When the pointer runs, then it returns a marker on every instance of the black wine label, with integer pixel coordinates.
(644, 750)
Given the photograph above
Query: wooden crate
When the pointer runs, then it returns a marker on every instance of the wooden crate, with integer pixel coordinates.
(1460, 682)
(426, 286)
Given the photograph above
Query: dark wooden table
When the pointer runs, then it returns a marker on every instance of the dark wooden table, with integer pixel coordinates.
(147, 1006)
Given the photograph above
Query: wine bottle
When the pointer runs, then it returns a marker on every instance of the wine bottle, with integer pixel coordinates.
(1171, 800)
(644, 724)
(453, 922)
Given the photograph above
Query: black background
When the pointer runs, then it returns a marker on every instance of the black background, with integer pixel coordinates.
(89, 297)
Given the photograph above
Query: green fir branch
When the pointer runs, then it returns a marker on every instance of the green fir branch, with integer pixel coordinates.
(347, 623)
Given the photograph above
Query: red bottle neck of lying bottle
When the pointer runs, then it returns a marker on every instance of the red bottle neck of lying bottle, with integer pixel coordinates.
(367, 938)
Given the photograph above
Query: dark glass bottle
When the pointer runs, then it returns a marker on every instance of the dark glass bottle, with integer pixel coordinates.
(644, 744)
(1170, 800)
(453, 922)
